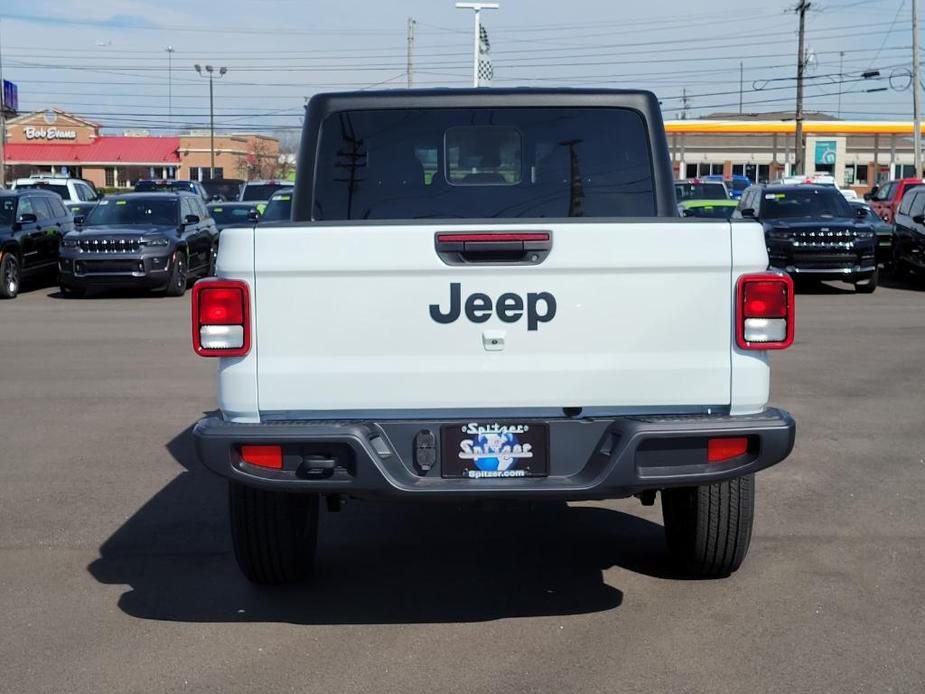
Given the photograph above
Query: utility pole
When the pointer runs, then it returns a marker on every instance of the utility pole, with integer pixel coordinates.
(209, 72)
(170, 51)
(410, 68)
(916, 87)
(477, 7)
(741, 73)
(685, 103)
(798, 148)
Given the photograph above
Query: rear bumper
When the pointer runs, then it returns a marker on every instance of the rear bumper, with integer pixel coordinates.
(588, 458)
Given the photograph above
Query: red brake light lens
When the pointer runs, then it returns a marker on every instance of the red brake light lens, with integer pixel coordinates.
(764, 299)
(221, 306)
(263, 456)
(719, 450)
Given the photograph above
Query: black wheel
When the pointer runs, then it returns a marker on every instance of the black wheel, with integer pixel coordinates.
(708, 528)
(71, 292)
(868, 286)
(178, 275)
(898, 268)
(9, 276)
(274, 533)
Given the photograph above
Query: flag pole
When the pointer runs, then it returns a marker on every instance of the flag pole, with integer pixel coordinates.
(477, 7)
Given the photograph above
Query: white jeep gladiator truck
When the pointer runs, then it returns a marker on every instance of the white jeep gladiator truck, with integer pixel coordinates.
(489, 294)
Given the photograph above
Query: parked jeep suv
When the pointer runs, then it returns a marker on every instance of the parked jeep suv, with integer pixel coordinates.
(153, 240)
(813, 233)
(31, 225)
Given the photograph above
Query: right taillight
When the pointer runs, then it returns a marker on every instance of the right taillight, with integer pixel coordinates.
(221, 318)
(764, 311)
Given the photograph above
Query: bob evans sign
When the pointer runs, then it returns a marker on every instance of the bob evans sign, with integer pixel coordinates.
(50, 133)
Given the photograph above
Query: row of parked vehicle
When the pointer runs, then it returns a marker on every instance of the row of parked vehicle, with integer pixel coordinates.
(814, 231)
(159, 237)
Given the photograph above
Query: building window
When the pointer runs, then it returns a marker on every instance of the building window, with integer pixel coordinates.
(110, 174)
(905, 171)
(690, 171)
(219, 172)
(856, 174)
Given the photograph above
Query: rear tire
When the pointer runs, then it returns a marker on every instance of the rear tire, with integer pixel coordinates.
(708, 528)
(274, 533)
(9, 276)
(868, 286)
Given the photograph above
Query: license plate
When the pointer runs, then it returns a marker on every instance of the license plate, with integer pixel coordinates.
(487, 450)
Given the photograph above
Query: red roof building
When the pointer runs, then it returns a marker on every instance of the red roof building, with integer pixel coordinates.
(54, 141)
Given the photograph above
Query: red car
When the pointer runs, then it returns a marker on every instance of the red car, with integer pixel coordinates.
(885, 199)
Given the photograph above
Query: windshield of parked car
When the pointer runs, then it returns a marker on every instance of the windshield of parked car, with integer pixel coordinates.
(230, 215)
(804, 203)
(260, 191)
(710, 211)
(59, 187)
(700, 191)
(148, 210)
(466, 163)
(279, 209)
(226, 189)
(153, 186)
(7, 210)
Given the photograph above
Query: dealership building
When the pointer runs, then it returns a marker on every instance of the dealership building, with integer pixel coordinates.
(54, 141)
(858, 154)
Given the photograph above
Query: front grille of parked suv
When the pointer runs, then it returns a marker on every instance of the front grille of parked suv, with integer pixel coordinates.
(109, 245)
(840, 238)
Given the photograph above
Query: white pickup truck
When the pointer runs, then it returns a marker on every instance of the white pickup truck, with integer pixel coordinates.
(489, 294)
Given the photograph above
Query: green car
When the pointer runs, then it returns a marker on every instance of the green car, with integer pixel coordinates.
(708, 209)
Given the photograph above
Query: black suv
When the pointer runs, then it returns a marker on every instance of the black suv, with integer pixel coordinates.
(153, 240)
(32, 223)
(908, 248)
(813, 233)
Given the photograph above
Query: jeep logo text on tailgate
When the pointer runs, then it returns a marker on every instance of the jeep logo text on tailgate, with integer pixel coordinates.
(540, 307)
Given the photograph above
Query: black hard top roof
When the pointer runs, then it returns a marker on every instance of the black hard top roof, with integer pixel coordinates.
(475, 98)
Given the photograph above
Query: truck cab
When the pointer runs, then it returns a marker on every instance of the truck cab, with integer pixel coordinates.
(489, 294)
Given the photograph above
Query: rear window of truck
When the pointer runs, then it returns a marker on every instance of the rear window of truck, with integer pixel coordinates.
(483, 163)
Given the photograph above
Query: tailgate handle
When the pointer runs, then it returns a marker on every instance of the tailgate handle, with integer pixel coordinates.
(519, 248)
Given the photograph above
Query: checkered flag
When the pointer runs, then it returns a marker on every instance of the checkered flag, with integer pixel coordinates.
(486, 71)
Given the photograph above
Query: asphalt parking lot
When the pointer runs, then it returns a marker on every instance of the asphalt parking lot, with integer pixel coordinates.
(116, 572)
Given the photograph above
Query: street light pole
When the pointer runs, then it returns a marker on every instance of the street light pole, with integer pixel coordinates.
(477, 7)
(210, 72)
(170, 52)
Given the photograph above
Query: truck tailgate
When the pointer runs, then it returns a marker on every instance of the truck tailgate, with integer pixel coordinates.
(642, 320)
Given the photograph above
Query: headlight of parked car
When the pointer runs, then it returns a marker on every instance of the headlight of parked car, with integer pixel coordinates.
(69, 243)
(778, 235)
(155, 241)
(864, 234)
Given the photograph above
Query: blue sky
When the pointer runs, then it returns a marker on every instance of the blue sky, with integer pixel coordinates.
(107, 59)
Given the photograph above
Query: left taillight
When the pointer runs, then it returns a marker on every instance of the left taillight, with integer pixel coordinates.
(221, 318)
(765, 315)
